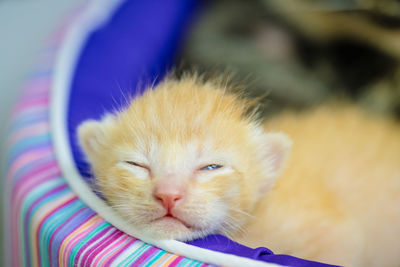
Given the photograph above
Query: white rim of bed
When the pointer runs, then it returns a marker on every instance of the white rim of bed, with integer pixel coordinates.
(94, 16)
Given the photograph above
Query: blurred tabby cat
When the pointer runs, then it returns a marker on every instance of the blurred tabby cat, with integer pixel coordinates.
(189, 159)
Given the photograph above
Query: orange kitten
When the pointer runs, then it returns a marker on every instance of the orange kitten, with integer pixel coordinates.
(186, 160)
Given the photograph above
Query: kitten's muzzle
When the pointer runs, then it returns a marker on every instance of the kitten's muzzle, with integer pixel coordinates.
(168, 200)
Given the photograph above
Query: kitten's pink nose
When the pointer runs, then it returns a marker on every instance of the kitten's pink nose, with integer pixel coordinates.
(168, 199)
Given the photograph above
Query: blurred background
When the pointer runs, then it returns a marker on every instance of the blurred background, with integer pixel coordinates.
(24, 26)
(304, 52)
(301, 53)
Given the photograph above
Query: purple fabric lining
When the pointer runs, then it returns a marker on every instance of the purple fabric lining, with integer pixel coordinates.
(223, 244)
(134, 49)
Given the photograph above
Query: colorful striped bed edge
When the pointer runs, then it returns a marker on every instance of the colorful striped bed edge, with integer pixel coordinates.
(46, 224)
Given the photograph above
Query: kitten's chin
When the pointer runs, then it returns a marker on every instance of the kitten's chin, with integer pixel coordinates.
(171, 228)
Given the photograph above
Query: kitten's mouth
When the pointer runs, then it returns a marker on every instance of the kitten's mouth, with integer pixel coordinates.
(171, 217)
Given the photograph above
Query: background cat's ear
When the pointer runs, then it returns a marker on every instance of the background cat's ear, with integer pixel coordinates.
(276, 150)
(92, 135)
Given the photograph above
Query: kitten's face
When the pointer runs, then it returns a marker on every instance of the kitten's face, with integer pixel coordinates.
(183, 161)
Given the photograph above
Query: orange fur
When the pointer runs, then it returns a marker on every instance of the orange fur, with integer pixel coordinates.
(337, 200)
(173, 131)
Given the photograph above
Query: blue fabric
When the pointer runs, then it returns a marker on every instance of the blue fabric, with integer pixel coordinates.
(136, 48)
(223, 244)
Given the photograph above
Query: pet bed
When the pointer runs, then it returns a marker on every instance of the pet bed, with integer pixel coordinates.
(105, 51)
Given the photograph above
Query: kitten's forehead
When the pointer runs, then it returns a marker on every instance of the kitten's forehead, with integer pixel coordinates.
(191, 152)
(176, 157)
(187, 107)
(184, 120)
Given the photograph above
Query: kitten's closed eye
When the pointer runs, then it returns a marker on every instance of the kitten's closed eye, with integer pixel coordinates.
(211, 167)
(139, 170)
(136, 164)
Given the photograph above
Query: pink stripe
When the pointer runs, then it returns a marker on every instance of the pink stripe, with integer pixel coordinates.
(29, 132)
(34, 108)
(39, 227)
(78, 234)
(33, 88)
(40, 199)
(23, 231)
(27, 216)
(20, 197)
(89, 260)
(24, 159)
(29, 102)
(175, 262)
(146, 255)
(129, 242)
(38, 167)
(107, 253)
(16, 203)
(109, 243)
(61, 226)
(33, 111)
(94, 242)
(101, 257)
(37, 177)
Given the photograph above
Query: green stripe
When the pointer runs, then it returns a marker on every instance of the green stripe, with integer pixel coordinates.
(41, 241)
(156, 257)
(50, 225)
(183, 262)
(134, 255)
(78, 246)
(27, 201)
(187, 262)
(32, 164)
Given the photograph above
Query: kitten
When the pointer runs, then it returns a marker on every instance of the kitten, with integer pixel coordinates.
(189, 159)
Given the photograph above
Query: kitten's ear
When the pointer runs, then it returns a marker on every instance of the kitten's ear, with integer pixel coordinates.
(276, 150)
(92, 135)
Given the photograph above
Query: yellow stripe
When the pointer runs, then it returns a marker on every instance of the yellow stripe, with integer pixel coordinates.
(70, 236)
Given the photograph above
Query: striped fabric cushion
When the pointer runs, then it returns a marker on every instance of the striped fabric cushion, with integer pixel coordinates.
(46, 223)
